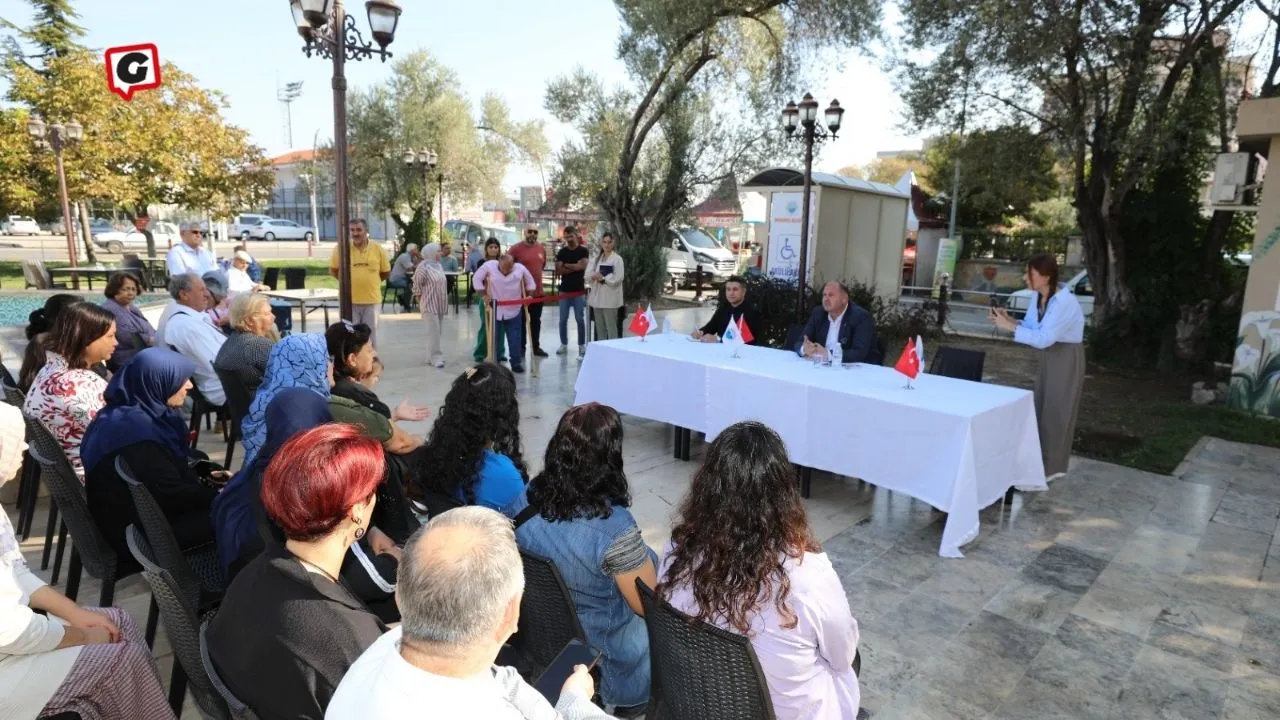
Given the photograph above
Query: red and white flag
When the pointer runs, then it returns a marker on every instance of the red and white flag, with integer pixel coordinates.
(643, 322)
(909, 363)
(745, 331)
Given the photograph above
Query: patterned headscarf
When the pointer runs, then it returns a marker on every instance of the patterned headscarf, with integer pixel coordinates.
(13, 431)
(296, 361)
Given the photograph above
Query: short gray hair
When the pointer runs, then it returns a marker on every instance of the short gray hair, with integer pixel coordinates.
(215, 281)
(189, 226)
(181, 283)
(453, 591)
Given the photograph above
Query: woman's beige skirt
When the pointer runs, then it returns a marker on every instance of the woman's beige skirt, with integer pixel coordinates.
(1058, 386)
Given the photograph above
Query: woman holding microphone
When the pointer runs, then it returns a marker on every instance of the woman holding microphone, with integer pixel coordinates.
(1055, 327)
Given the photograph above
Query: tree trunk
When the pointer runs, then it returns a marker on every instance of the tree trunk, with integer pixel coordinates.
(89, 255)
(151, 238)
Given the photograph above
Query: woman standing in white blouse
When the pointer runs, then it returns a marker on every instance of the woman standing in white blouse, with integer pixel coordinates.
(1055, 327)
(93, 662)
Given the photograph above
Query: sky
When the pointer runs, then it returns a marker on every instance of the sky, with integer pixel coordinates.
(248, 48)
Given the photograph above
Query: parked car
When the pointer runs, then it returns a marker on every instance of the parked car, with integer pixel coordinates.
(473, 233)
(20, 225)
(690, 248)
(117, 241)
(1078, 285)
(245, 223)
(272, 229)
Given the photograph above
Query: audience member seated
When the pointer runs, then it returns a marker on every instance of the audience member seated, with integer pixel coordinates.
(300, 361)
(742, 556)
(472, 456)
(238, 278)
(577, 516)
(219, 309)
(236, 509)
(185, 327)
(734, 307)
(253, 334)
(840, 322)
(352, 354)
(133, 331)
(190, 255)
(142, 424)
(402, 272)
(66, 394)
(287, 629)
(38, 325)
(460, 599)
(57, 657)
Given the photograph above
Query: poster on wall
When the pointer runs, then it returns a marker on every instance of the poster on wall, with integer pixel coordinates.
(784, 235)
(946, 263)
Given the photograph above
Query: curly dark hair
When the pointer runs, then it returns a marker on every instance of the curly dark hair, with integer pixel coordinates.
(740, 520)
(481, 408)
(582, 471)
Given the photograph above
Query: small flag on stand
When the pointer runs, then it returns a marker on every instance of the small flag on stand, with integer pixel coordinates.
(909, 362)
(920, 352)
(732, 337)
(744, 330)
(642, 322)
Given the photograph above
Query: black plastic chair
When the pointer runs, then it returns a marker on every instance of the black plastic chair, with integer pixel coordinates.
(239, 399)
(238, 709)
(959, 363)
(201, 408)
(196, 571)
(89, 548)
(271, 276)
(548, 618)
(794, 337)
(699, 670)
(29, 477)
(295, 278)
(181, 625)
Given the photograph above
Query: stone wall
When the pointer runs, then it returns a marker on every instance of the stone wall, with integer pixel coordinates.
(995, 276)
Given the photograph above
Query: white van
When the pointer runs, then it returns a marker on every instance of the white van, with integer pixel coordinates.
(691, 247)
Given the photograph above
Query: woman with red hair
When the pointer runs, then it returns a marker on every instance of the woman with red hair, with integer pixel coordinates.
(287, 629)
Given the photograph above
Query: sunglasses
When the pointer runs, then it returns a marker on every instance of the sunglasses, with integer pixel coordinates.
(196, 232)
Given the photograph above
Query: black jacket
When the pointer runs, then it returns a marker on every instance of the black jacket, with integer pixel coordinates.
(857, 334)
(724, 312)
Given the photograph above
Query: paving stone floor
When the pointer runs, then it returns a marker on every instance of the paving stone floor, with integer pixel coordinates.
(1115, 594)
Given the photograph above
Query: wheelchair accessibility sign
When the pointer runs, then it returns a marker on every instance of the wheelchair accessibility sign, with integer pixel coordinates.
(784, 235)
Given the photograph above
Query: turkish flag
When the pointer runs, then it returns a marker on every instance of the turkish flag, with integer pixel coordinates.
(909, 363)
(639, 323)
(745, 331)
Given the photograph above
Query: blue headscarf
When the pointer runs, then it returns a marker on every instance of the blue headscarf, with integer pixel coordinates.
(137, 408)
(234, 523)
(296, 361)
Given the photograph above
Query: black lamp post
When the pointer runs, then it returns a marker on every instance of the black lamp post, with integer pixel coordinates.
(805, 117)
(330, 33)
(425, 162)
(56, 137)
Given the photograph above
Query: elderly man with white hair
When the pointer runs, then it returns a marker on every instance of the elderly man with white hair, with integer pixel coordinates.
(429, 286)
(401, 276)
(185, 327)
(238, 280)
(189, 256)
(459, 592)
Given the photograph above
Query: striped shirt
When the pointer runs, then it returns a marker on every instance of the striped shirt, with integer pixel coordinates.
(429, 287)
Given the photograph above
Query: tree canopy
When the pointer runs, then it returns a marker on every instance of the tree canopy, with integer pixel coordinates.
(1004, 172)
(890, 170)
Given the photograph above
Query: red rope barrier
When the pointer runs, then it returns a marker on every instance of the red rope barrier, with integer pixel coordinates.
(540, 299)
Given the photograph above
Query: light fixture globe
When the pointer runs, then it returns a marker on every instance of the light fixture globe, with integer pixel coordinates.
(75, 131)
(316, 12)
(36, 127)
(300, 20)
(808, 109)
(833, 115)
(432, 159)
(410, 158)
(790, 117)
(384, 16)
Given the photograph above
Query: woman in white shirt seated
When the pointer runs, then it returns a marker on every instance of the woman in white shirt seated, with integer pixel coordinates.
(90, 661)
(742, 557)
(1055, 327)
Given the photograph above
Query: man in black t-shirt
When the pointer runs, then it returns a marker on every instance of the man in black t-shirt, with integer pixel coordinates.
(735, 308)
(571, 268)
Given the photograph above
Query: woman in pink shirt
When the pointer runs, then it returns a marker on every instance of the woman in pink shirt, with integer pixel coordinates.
(742, 557)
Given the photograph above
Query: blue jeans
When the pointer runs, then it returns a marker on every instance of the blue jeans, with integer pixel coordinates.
(577, 303)
(401, 284)
(513, 330)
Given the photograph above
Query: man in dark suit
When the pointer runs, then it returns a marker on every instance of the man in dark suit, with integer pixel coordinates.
(839, 320)
(736, 307)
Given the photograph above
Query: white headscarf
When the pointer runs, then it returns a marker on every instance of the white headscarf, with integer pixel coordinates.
(13, 432)
(431, 254)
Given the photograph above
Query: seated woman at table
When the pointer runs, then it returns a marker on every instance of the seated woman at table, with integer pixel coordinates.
(133, 331)
(38, 325)
(142, 424)
(578, 517)
(66, 395)
(742, 557)
(253, 334)
(472, 456)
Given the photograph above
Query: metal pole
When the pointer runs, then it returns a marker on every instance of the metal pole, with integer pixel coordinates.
(440, 217)
(426, 206)
(339, 21)
(802, 290)
(315, 217)
(955, 180)
(56, 141)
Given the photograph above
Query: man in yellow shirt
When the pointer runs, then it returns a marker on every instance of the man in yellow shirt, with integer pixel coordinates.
(369, 267)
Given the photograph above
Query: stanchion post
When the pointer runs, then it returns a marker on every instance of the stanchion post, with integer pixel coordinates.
(491, 326)
(528, 333)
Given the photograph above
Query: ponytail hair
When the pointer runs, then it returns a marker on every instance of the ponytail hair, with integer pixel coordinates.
(41, 319)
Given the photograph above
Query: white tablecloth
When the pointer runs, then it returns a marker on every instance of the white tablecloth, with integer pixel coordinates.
(955, 444)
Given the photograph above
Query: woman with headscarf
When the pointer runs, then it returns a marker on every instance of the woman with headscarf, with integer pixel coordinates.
(93, 662)
(296, 361)
(430, 287)
(142, 423)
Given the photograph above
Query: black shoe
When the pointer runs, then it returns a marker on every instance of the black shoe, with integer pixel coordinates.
(539, 352)
(517, 368)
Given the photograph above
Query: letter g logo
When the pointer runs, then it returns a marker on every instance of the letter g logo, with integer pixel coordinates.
(132, 68)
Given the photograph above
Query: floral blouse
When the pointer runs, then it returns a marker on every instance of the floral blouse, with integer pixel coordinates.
(66, 401)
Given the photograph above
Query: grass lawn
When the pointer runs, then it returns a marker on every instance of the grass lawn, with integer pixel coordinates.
(1143, 420)
(317, 271)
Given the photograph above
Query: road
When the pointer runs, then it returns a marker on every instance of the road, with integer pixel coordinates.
(53, 248)
(964, 317)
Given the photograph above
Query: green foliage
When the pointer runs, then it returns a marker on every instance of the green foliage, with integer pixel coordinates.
(1003, 172)
(1055, 214)
(1015, 247)
(411, 232)
(889, 170)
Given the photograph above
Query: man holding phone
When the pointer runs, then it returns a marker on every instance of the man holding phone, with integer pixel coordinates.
(459, 590)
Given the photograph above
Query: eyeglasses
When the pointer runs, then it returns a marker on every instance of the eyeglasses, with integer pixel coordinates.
(196, 232)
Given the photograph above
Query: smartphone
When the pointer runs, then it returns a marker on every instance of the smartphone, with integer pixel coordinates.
(552, 679)
(205, 468)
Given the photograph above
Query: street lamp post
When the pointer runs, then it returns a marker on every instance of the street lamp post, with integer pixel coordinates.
(330, 33)
(805, 117)
(440, 216)
(425, 162)
(56, 137)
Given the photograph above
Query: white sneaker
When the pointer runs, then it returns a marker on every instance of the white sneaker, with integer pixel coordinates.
(438, 363)
(562, 350)
(582, 351)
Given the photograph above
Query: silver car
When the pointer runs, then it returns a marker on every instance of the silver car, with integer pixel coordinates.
(281, 230)
(117, 241)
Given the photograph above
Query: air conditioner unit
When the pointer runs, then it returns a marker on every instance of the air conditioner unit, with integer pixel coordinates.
(1234, 178)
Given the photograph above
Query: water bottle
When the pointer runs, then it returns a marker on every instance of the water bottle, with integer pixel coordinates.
(666, 327)
(835, 351)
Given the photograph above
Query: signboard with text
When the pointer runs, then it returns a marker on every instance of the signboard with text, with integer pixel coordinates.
(783, 261)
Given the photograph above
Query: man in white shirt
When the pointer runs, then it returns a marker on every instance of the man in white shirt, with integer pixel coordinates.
(190, 256)
(238, 280)
(459, 588)
(840, 323)
(402, 273)
(184, 325)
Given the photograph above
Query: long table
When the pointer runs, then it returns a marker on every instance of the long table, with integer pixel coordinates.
(317, 298)
(955, 444)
